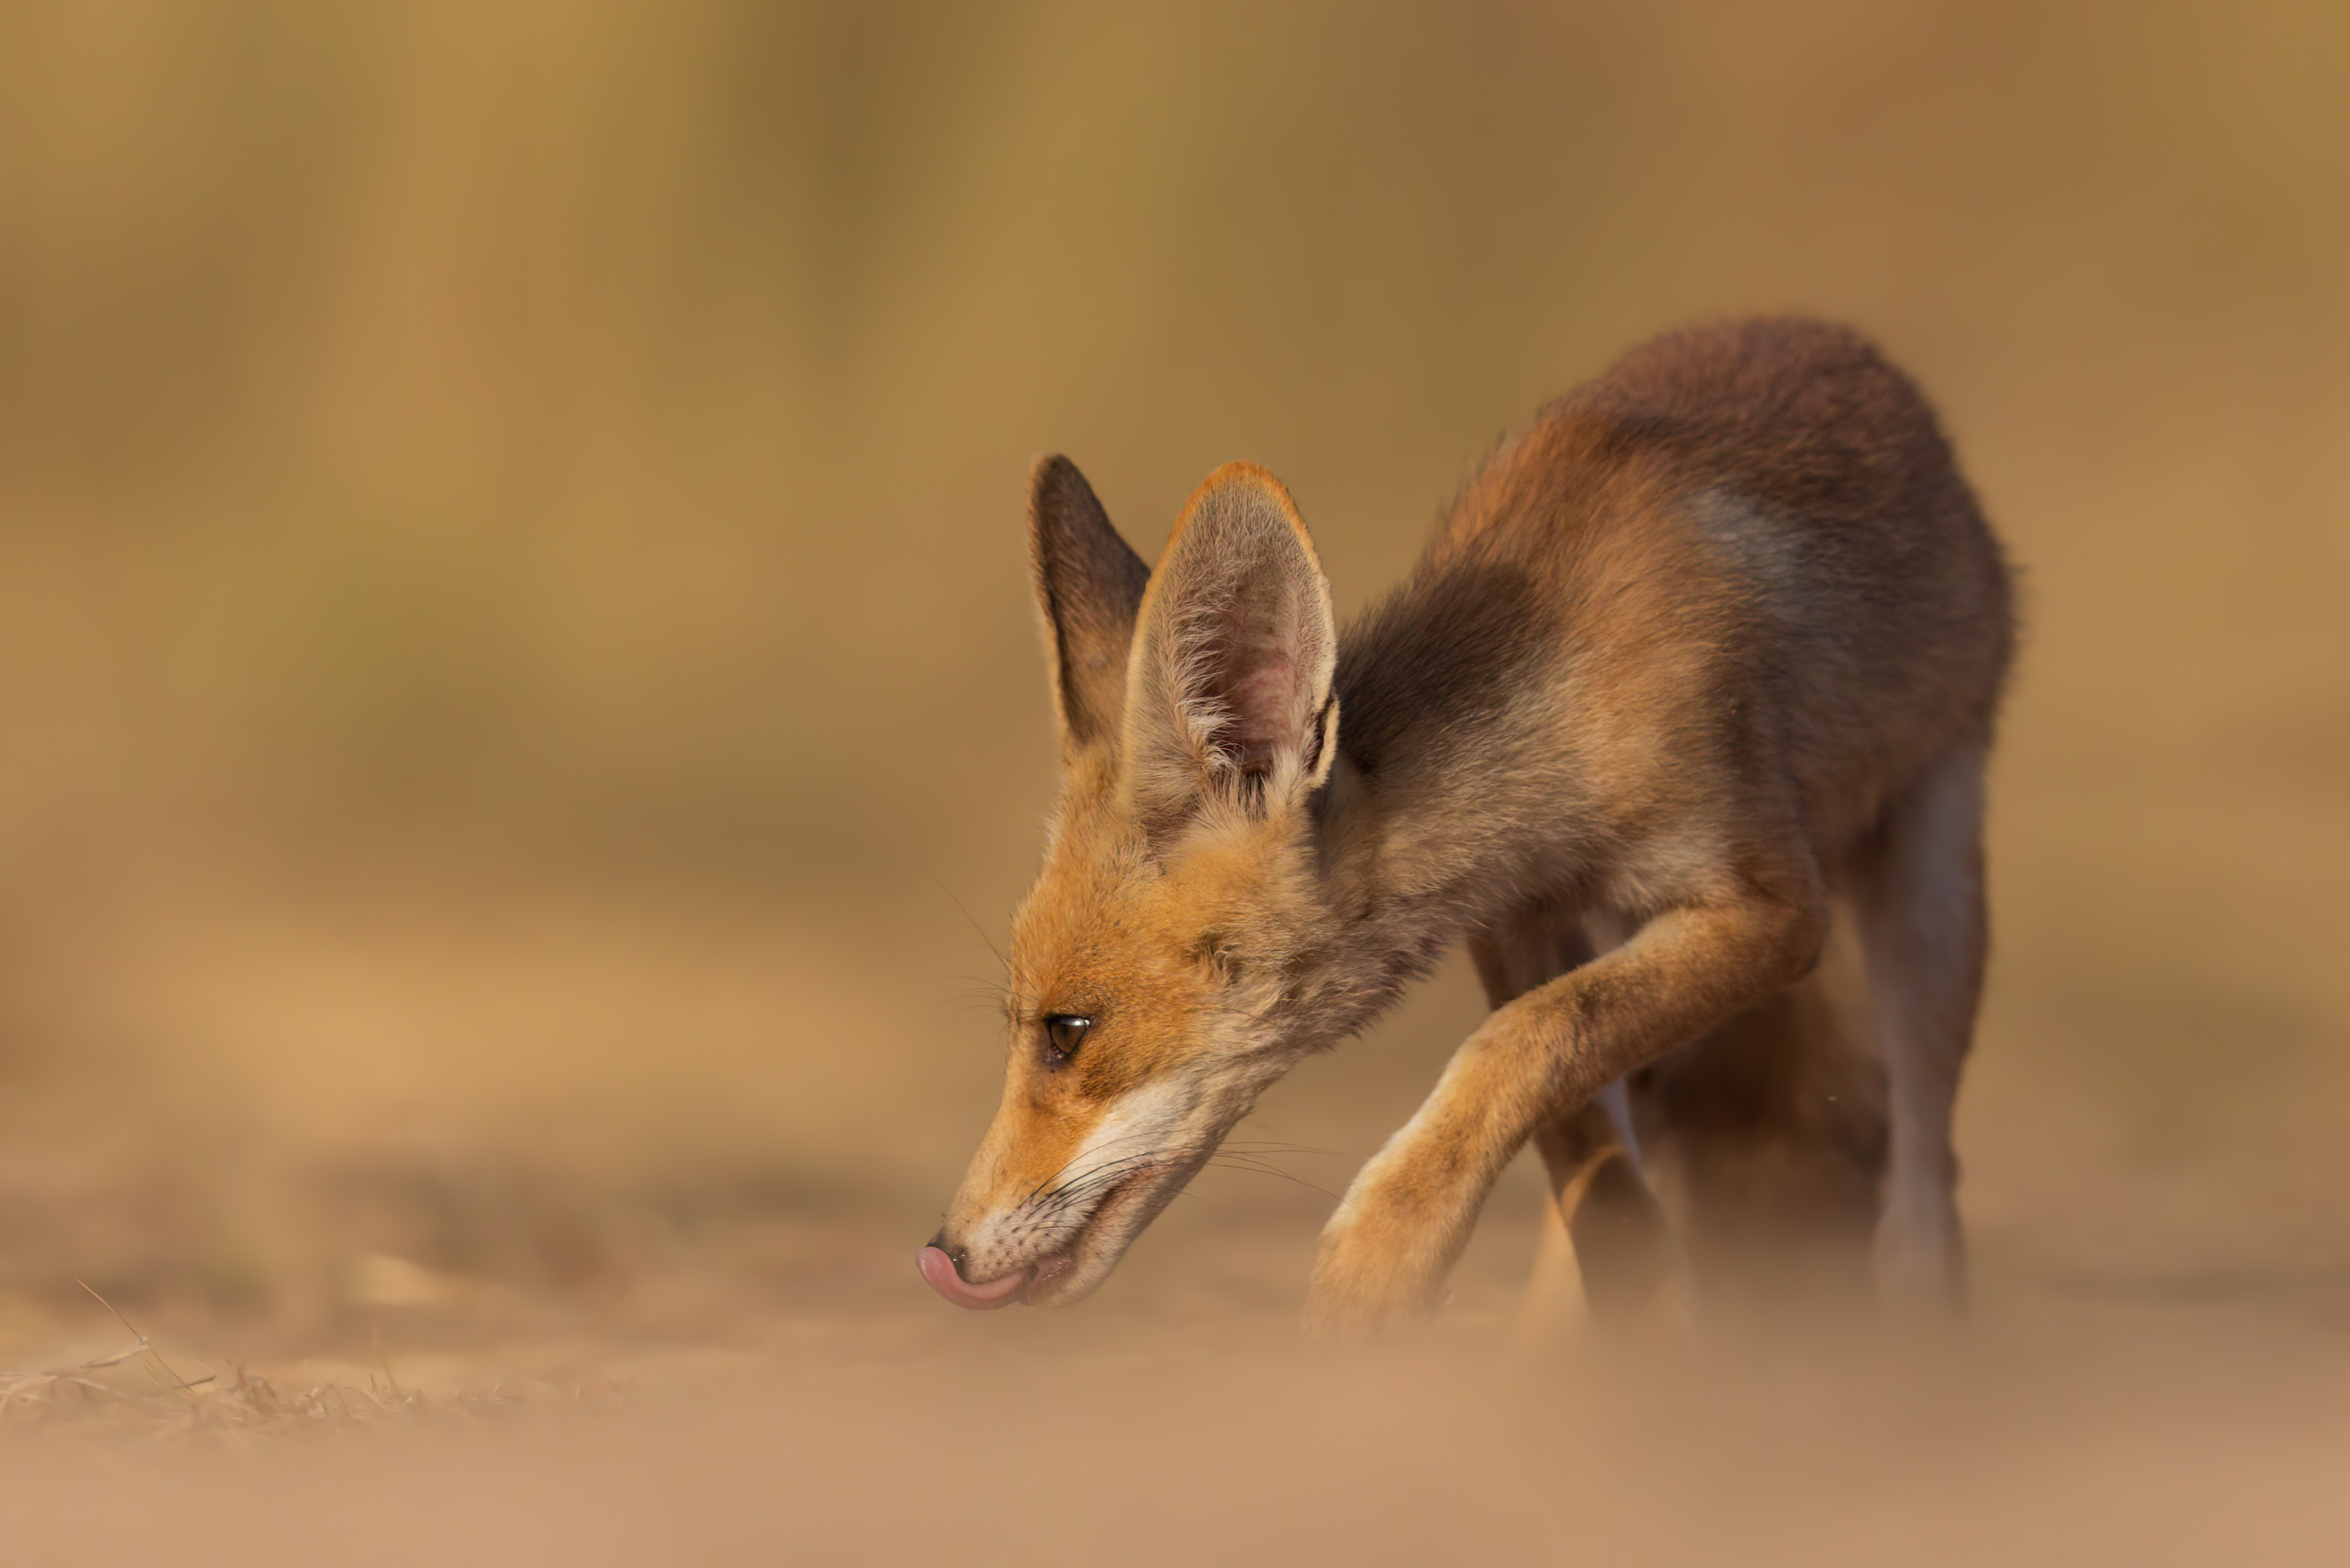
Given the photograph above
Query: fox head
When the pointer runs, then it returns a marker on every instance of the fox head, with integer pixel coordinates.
(1176, 954)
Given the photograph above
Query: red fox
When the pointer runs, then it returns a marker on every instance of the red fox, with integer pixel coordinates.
(1702, 663)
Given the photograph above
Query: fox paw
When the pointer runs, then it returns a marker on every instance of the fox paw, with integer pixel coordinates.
(1360, 1296)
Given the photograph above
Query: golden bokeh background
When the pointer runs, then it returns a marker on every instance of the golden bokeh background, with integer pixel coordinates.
(515, 638)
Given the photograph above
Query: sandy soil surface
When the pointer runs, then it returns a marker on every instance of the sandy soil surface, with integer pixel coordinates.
(1174, 1423)
(648, 1330)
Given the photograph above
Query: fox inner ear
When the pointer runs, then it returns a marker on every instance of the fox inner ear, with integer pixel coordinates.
(1235, 653)
(1089, 587)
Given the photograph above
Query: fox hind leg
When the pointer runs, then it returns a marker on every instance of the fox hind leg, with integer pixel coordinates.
(1917, 894)
(1607, 1250)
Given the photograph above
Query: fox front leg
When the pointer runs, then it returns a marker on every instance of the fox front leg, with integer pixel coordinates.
(1385, 1255)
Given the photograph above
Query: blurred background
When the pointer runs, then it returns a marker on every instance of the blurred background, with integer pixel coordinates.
(514, 641)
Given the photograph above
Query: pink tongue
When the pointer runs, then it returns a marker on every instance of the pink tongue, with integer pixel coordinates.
(939, 1271)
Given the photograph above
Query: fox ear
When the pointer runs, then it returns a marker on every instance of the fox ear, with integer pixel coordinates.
(1229, 689)
(1088, 587)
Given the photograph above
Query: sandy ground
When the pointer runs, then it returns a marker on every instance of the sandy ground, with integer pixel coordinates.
(670, 1316)
(2065, 1426)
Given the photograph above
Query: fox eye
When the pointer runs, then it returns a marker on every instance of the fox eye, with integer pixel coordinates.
(1064, 1033)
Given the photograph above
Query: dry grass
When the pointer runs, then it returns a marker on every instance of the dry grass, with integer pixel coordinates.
(234, 1409)
(136, 1391)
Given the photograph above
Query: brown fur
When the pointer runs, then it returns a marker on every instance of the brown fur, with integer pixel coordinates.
(1707, 653)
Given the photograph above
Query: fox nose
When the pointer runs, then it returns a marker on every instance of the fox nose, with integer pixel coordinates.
(941, 1267)
(960, 1256)
(942, 1242)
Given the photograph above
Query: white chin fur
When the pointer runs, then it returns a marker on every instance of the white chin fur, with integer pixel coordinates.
(1145, 1131)
(1070, 1276)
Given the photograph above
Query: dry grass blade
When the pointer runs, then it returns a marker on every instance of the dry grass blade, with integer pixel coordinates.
(232, 1410)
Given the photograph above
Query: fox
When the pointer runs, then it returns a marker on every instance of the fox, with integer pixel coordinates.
(1694, 684)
